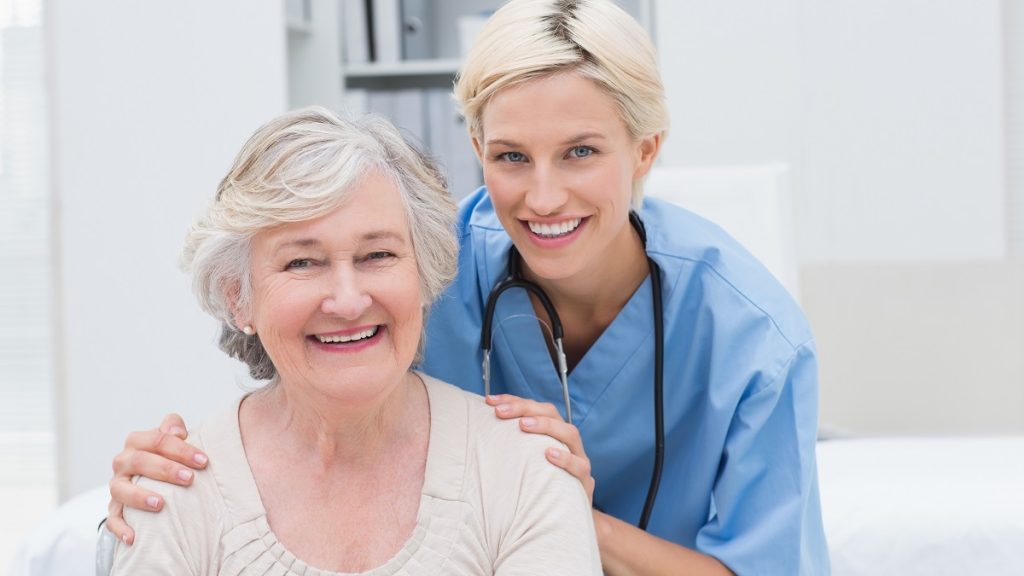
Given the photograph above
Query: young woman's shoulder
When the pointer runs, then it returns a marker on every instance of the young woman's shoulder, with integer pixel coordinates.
(701, 260)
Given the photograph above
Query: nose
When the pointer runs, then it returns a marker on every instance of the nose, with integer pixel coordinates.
(344, 295)
(546, 194)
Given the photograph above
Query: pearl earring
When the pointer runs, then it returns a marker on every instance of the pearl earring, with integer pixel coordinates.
(247, 330)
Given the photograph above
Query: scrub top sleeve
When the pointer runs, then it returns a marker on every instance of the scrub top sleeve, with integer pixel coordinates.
(766, 516)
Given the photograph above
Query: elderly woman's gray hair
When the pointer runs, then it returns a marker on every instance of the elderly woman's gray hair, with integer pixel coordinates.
(298, 167)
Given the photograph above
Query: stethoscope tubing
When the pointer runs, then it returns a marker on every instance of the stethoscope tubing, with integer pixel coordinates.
(659, 394)
(515, 280)
(557, 334)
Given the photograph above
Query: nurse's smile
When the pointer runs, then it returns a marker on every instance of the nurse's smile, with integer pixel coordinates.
(555, 233)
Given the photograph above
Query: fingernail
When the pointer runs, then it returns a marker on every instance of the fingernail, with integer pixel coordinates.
(177, 430)
(185, 474)
(528, 421)
(152, 501)
(554, 453)
(199, 459)
(503, 408)
(124, 538)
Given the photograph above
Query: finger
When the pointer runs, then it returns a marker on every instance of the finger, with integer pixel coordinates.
(173, 424)
(556, 428)
(575, 465)
(125, 493)
(138, 463)
(116, 525)
(167, 445)
(509, 406)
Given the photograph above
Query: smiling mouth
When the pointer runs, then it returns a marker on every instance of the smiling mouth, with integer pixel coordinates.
(555, 230)
(347, 338)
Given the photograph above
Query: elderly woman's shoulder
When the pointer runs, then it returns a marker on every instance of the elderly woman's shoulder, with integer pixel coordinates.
(192, 517)
(184, 536)
(199, 493)
(220, 439)
(484, 429)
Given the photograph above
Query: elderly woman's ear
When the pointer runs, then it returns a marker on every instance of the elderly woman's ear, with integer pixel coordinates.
(242, 321)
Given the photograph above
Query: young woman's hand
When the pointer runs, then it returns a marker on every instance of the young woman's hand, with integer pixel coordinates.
(543, 418)
(160, 454)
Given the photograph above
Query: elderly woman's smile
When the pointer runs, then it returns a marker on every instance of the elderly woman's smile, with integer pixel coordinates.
(347, 337)
(337, 297)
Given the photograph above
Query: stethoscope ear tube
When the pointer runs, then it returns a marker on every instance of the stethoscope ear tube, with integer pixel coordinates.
(557, 332)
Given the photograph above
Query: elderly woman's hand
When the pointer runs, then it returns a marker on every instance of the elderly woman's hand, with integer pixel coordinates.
(543, 418)
(160, 454)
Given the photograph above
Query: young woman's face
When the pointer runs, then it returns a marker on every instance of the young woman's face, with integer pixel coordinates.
(336, 300)
(559, 165)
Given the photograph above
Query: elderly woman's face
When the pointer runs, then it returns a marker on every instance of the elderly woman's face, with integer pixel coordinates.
(336, 300)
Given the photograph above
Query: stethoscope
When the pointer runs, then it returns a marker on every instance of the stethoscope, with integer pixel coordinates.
(515, 280)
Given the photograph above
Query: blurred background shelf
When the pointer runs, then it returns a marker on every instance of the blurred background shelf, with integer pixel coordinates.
(433, 73)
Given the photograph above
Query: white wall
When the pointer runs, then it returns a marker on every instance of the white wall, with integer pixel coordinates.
(314, 58)
(893, 118)
(891, 114)
(731, 71)
(150, 101)
(919, 349)
(904, 130)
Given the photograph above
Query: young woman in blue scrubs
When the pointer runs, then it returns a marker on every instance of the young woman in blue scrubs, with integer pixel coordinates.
(566, 111)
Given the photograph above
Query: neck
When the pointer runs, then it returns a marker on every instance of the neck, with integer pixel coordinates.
(601, 291)
(332, 432)
(588, 302)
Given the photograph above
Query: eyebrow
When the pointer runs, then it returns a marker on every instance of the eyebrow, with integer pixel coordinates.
(369, 236)
(572, 140)
(383, 235)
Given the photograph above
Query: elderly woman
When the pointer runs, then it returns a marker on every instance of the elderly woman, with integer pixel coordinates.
(326, 244)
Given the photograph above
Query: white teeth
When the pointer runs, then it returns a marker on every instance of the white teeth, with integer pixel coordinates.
(554, 230)
(340, 338)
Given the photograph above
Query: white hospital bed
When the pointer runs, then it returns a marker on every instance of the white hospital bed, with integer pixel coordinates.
(917, 506)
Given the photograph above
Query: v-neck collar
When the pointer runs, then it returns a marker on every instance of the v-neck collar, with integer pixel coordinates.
(250, 541)
(523, 342)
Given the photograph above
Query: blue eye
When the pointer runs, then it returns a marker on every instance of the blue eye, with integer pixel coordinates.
(379, 255)
(581, 151)
(299, 263)
(512, 156)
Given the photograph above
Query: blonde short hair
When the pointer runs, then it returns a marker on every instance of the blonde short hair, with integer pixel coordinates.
(297, 167)
(529, 39)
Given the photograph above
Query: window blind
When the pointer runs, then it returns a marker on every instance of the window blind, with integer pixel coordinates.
(26, 297)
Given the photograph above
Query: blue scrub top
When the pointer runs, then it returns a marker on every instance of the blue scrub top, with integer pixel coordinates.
(741, 389)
